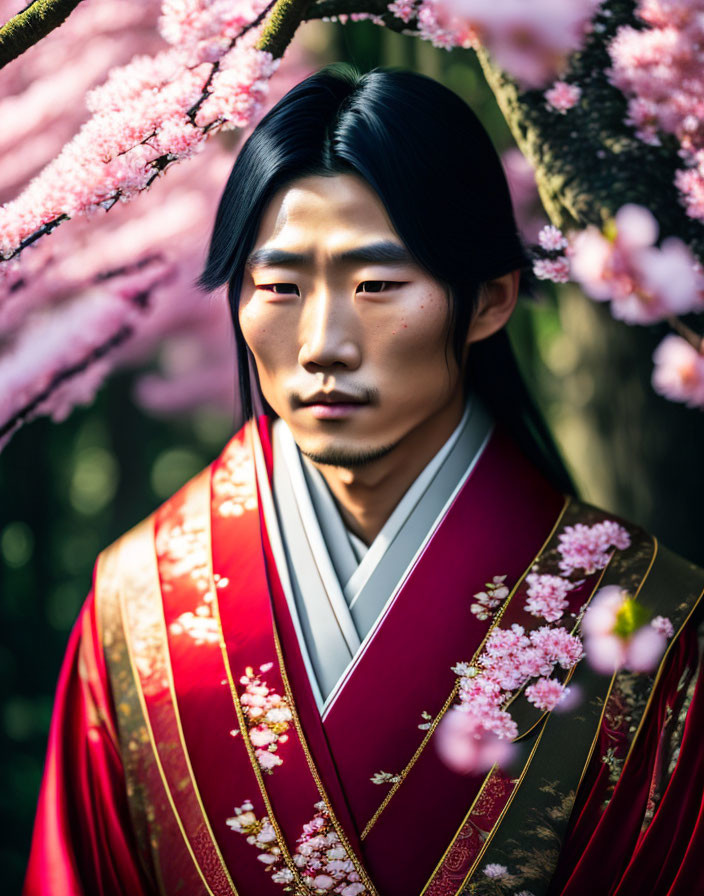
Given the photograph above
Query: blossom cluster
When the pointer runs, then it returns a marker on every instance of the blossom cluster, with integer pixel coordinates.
(477, 731)
(321, 859)
(562, 97)
(644, 282)
(659, 69)
(547, 595)
(141, 269)
(268, 717)
(589, 548)
(511, 658)
(530, 41)
(153, 111)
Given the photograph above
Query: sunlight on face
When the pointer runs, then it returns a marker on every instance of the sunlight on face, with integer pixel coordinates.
(348, 332)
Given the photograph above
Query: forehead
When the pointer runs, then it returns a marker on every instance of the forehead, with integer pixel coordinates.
(327, 213)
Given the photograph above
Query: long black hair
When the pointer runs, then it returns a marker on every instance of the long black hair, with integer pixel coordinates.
(432, 164)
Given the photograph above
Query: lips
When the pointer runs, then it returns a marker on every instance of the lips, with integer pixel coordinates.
(332, 398)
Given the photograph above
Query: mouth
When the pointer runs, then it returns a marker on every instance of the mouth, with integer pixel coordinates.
(333, 405)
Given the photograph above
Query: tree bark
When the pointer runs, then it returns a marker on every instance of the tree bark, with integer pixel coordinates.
(30, 25)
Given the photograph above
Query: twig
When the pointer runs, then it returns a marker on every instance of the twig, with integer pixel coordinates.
(687, 333)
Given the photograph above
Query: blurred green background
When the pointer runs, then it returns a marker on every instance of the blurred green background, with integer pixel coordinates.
(68, 490)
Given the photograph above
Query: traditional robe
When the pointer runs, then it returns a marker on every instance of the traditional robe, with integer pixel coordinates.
(203, 742)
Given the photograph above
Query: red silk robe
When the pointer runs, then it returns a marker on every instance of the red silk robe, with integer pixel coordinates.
(187, 753)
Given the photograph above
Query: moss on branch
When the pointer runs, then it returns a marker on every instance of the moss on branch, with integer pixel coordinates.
(589, 162)
(30, 25)
(281, 25)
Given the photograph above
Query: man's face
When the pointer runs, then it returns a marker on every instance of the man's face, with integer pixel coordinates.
(348, 332)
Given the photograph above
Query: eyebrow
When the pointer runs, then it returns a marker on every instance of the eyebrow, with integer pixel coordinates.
(384, 252)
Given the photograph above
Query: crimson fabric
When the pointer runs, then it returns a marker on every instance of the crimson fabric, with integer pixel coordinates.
(83, 842)
(605, 851)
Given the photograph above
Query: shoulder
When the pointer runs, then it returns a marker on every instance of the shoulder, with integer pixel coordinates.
(176, 534)
(221, 474)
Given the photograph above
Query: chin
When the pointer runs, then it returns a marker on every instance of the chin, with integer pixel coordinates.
(345, 455)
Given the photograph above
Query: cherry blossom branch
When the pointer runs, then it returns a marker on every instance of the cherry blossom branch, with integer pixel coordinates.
(329, 9)
(687, 333)
(193, 111)
(228, 95)
(32, 24)
(121, 335)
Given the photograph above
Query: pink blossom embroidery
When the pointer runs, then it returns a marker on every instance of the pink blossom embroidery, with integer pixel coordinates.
(495, 871)
(513, 659)
(546, 693)
(547, 596)
(587, 547)
(268, 717)
(321, 862)
(663, 625)
(485, 602)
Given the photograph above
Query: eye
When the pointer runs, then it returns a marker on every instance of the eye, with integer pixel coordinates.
(279, 288)
(378, 285)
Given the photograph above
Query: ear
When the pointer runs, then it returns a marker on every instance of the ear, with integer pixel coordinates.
(497, 299)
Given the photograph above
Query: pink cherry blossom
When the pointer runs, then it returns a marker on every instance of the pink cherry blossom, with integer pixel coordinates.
(268, 760)
(644, 283)
(546, 693)
(659, 70)
(531, 41)
(147, 262)
(644, 649)
(552, 239)
(403, 9)
(527, 207)
(608, 648)
(563, 96)
(679, 371)
(547, 596)
(555, 269)
(466, 746)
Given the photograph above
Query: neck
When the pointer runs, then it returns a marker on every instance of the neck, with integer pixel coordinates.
(368, 495)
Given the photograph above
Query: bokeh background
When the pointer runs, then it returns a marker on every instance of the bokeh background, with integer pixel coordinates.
(68, 489)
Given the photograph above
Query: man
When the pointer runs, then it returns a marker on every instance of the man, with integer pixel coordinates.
(252, 697)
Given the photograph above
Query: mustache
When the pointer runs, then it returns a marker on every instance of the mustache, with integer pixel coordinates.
(341, 394)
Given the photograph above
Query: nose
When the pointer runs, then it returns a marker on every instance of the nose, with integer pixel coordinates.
(329, 333)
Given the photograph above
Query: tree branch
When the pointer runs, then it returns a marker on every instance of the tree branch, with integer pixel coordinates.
(30, 25)
(281, 25)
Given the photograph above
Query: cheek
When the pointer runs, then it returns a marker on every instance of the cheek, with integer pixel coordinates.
(417, 341)
(261, 333)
